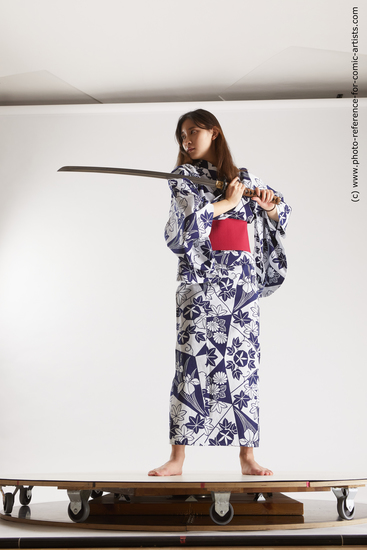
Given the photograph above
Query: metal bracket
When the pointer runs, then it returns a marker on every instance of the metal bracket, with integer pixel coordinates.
(122, 498)
(29, 491)
(120, 491)
(259, 497)
(221, 503)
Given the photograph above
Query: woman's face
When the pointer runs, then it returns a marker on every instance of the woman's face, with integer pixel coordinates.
(198, 142)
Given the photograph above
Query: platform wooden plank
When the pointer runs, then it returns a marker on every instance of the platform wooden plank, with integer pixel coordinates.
(152, 491)
(192, 478)
(339, 483)
(277, 504)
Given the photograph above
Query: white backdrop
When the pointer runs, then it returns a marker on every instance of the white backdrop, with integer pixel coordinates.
(87, 288)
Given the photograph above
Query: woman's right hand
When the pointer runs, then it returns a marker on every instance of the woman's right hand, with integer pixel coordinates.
(232, 197)
(234, 192)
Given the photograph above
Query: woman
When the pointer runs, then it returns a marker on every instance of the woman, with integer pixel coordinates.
(214, 396)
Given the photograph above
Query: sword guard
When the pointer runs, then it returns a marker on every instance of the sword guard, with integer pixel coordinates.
(222, 185)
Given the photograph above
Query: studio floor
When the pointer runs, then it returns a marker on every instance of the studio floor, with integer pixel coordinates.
(28, 536)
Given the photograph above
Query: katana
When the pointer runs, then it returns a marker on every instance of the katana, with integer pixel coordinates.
(221, 185)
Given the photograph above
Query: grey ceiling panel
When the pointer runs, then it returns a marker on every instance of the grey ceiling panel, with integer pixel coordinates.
(297, 73)
(39, 88)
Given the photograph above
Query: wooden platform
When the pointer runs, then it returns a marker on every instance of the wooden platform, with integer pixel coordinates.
(137, 502)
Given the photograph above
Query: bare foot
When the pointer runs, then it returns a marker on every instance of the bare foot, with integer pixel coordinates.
(174, 465)
(252, 468)
(249, 467)
(170, 468)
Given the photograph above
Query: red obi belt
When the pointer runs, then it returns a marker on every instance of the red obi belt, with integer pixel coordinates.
(229, 234)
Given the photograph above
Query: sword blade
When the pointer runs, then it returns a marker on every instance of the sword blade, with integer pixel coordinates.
(134, 172)
(160, 175)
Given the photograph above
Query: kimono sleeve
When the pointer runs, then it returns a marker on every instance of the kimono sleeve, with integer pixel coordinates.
(190, 220)
(269, 252)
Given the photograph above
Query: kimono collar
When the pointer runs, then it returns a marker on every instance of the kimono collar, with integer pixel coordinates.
(206, 165)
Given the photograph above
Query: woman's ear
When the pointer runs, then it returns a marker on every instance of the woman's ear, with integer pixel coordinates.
(215, 132)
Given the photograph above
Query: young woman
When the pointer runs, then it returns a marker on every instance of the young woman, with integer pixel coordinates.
(214, 396)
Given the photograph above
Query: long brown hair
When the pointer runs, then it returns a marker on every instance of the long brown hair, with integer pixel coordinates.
(205, 119)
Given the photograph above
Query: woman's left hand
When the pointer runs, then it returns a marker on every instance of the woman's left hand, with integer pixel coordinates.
(263, 198)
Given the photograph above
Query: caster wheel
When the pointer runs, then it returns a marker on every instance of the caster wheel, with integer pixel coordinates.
(80, 516)
(8, 503)
(343, 509)
(25, 496)
(221, 520)
(96, 494)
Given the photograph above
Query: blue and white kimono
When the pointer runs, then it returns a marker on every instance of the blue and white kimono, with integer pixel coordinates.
(214, 397)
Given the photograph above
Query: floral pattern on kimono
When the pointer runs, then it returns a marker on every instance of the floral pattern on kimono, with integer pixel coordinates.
(215, 394)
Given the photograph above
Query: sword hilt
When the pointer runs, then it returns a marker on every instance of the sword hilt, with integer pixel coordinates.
(247, 192)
